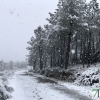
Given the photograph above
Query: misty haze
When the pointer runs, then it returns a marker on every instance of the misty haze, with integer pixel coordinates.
(49, 50)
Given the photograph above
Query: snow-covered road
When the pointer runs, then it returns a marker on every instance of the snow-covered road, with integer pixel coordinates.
(28, 88)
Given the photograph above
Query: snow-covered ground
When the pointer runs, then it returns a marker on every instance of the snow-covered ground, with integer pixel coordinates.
(28, 88)
(93, 73)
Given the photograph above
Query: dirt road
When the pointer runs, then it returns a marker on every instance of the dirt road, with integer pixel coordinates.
(28, 87)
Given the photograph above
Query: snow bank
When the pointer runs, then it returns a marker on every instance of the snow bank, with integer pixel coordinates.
(88, 79)
(87, 91)
(4, 89)
(90, 76)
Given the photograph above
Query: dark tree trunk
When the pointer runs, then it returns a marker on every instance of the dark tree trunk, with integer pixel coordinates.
(54, 57)
(61, 58)
(51, 60)
(76, 60)
(45, 62)
(89, 50)
(64, 51)
(93, 47)
(68, 49)
(81, 51)
(34, 66)
(40, 54)
(83, 55)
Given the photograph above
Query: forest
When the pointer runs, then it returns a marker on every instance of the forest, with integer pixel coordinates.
(64, 55)
(71, 37)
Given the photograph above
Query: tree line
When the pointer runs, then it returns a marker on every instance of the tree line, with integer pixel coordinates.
(71, 37)
(12, 65)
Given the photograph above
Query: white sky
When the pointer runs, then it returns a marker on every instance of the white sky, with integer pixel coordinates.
(18, 19)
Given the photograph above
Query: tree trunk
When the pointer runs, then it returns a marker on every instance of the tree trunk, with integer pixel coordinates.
(54, 57)
(89, 50)
(68, 49)
(45, 61)
(81, 51)
(76, 60)
(51, 60)
(61, 58)
(40, 54)
(34, 66)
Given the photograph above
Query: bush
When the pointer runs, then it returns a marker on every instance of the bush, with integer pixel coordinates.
(89, 80)
(89, 76)
(67, 75)
(4, 92)
(31, 70)
(55, 73)
(58, 73)
(47, 72)
(9, 89)
(42, 72)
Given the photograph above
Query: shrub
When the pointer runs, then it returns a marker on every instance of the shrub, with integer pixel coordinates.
(42, 72)
(89, 80)
(47, 72)
(67, 75)
(59, 73)
(4, 91)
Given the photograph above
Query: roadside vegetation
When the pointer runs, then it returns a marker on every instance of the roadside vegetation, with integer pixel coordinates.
(71, 38)
(6, 70)
(5, 90)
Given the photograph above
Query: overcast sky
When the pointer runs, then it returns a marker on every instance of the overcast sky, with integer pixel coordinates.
(18, 19)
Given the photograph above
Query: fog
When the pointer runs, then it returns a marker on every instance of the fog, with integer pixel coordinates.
(18, 19)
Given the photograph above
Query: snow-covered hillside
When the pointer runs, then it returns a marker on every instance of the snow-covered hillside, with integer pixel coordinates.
(90, 76)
